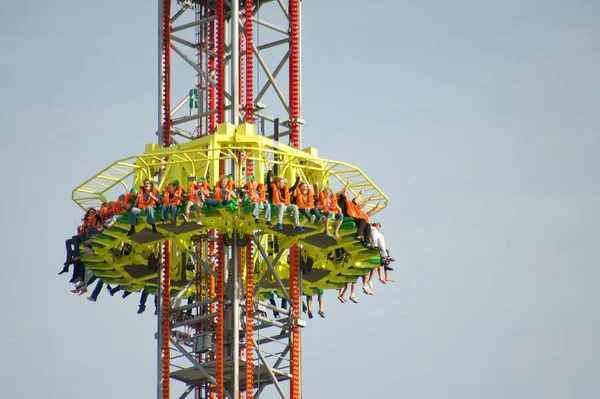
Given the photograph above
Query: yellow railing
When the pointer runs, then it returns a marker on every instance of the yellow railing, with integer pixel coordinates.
(195, 159)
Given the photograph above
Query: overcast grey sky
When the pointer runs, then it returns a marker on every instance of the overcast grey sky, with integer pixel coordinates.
(479, 119)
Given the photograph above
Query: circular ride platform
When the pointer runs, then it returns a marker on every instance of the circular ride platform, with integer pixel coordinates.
(132, 261)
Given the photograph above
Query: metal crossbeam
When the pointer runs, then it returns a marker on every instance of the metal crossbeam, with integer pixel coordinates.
(194, 320)
(194, 305)
(191, 359)
(271, 267)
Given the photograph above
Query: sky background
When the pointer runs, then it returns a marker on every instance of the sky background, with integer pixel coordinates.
(480, 120)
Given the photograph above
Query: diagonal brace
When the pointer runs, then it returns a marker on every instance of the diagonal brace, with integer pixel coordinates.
(193, 361)
(271, 267)
(202, 263)
(271, 374)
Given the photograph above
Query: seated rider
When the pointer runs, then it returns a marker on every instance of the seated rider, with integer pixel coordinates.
(230, 182)
(305, 199)
(328, 203)
(91, 227)
(309, 304)
(379, 242)
(223, 194)
(116, 207)
(199, 192)
(353, 209)
(279, 195)
(130, 199)
(143, 298)
(106, 211)
(147, 199)
(255, 193)
(172, 198)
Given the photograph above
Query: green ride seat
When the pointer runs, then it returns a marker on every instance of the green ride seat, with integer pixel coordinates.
(375, 261)
(232, 206)
(348, 223)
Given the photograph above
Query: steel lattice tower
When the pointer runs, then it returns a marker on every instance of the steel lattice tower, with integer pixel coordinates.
(226, 349)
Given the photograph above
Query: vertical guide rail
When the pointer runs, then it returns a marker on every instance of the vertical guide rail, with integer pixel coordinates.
(220, 69)
(212, 292)
(249, 80)
(161, 114)
(212, 95)
(220, 347)
(235, 269)
(198, 286)
(166, 263)
(249, 64)
(199, 29)
(295, 278)
(220, 61)
(235, 62)
(249, 45)
(164, 319)
(166, 66)
(249, 320)
(240, 69)
(295, 294)
(294, 10)
(235, 322)
(219, 30)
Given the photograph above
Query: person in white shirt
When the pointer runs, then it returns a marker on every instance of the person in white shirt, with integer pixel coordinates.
(378, 241)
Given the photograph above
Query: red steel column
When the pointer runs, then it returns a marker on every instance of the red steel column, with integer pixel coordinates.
(249, 171)
(220, 347)
(249, 63)
(166, 269)
(221, 266)
(241, 72)
(220, 61)
(295, 284)
(212, 292)
(200, 277)
(295, 294)
(294, 9)
(220, 39)
(166, 42)
(212, 98)
(249, 76)
(249, 320)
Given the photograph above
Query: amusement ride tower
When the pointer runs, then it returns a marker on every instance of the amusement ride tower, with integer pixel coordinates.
(224, 65)
(220, 332)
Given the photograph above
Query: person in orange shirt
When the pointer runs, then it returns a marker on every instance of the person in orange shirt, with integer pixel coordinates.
(172, 198)
(353, 209)
(116, 207)
(198, 193)
(305, 199)
(328, 203)
(105, 211)
(223, 194)
(230, 182)
(147, 199)
(256, 194)
(279, 195)
(130, 199)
